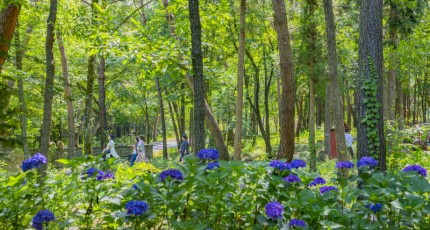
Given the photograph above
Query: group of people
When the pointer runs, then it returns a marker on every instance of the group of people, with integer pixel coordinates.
(138, 153)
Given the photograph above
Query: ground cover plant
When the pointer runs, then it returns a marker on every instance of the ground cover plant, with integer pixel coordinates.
(206, 193)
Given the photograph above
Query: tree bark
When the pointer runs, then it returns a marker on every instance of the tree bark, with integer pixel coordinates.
(370, 50)
(240, 73)
(102, 101)
(8, 21)
(49, 83)
(87, 150)
(175, 127)
(67, 97)
(336, 103)
(328, 119)
(163, 120)
(286, 109)
(199, 84)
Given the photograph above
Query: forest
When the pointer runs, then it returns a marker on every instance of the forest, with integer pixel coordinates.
(273, 97)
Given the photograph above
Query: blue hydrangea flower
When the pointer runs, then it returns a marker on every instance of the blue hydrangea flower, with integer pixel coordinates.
(367, 161)
(34, 162)
(212, 165)
(344, 165)
(295, 164)
(418, 168)
(297, 223)
(104, 175)
(208, 154)
(316, 181)
(136, 207)
(172, 173)
(325, 189)
(276, 164)
(292, 179)
(91, 172)
(274, 210)
(43, 216)
(374, 207)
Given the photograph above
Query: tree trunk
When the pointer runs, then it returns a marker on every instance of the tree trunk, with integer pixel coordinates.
(87, 150)
(8, 21)
(199, 84)
(49, 83)
(154, 128)
(102, 102)
(175, 127)
(336, 104)
(163, 120)
(67, 97)
(286, 109)
(240, 73)
(392, 71)
(370, 70)
(328, 119)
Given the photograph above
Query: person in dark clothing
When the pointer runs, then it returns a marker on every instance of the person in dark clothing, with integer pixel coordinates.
(184, 147)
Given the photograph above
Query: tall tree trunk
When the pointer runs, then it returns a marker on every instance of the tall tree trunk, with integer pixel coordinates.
(240, 73)
(336, 104)
(175, 127)
(286, 109)
(154, 128)
(67, 97)
(349, 109)
(49, 83)
(199, 84)
(102, 101)
(87, 150)
(8, 21)
(370, 69)
(328, 119)
(163, 120)
(392, 71)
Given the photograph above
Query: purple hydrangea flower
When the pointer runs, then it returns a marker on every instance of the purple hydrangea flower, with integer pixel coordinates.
(292, 179)
(367, 161)
(418, 168)
(136, 207)
(212, 165)
(34, 162)
(172, 173)
(344, 165)
(297, 223)
(316, 181)
(325, 189)
(43, 216)
(91, 172)
(208, 154)
(274, 210)
(105, 175)
(375, 207)
(276, 164)
(295, 164)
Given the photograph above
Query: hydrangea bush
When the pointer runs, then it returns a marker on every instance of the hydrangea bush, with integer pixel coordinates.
(205, 193)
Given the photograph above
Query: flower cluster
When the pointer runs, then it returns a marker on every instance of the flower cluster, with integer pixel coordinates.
(374, 207)
(344, 165)
(295, 164)
(212, 165)
(325, 189)
(297, 223)
(418, 168)
(367, 161)
(276, 164)
(316, 181)
(91, 172)
(292, 179)
(43, 216)
(172, 173)
(136, 207)
(208, 154)
(274, 210)
(34, 162)
(105, 175)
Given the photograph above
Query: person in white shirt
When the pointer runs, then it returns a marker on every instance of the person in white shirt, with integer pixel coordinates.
(110, 148)
(141, 150)
(349, 140)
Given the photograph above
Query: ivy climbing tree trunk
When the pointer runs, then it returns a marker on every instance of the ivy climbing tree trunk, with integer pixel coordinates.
(286, 107)
(371, 141)
(199, 84)
(67, 97)
(240, 73)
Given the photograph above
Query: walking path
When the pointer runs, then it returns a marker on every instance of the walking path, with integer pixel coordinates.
(159, 145)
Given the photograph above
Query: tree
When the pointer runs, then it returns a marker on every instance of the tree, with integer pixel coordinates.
(8, 21)
(240, 74)
(286, 107)
(199, 84)
(102, 101)
(370, 138)
(163, 119)
(336, 104)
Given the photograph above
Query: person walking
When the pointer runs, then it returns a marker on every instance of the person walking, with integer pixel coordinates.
(184, 147)
(349, 139)
(141, 151)
(110, 148)
(134, 154)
